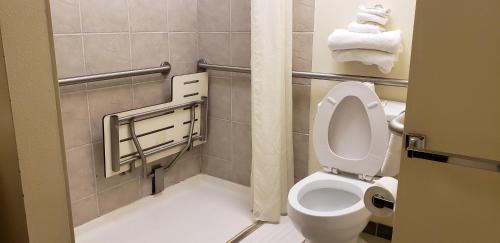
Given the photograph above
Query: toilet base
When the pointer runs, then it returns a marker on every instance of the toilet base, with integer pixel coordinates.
(357, 240)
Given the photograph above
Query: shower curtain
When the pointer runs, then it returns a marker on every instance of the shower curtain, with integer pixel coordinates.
(272, 147)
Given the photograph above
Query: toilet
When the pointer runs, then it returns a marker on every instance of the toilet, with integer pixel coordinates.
(350, 138)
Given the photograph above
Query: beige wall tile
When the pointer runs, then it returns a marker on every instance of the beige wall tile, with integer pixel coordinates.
(240, 15)
(80, 172)
(182, 15)
(302, 51)
(303, 81)
(301, 99)
(217, 167)
(75, 117)
(107, 52)
(219, 93)
(303, 15)
(104, 16)
(214, 48)
(84, 210)
(149, 49)
(240, 49)
(300, 155)
(106, 101)
(65, 16)
(119, 196)
(184, 47)
(148, 15)
(219, 139)
(241, 100)
(69, 55)
(213, 15)
(102, 182)
(241, 140)
(150, 93)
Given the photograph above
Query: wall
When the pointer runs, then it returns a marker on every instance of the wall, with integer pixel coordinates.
(36, 187)
(95, 36)
(402, 16)
(227, 24)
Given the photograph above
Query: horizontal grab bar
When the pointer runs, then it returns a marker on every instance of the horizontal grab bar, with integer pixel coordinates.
(163, 69)
(203, 65)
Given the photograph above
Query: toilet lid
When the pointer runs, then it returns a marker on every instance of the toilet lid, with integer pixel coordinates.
(350, 130)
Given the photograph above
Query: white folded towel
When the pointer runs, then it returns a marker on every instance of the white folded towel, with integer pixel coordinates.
(384, 60)
(365, 28)
(342, 39)
(376, 10)
(367, 18)
(390, 167)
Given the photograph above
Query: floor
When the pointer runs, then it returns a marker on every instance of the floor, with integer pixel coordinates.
(284, 232)
(199, 209)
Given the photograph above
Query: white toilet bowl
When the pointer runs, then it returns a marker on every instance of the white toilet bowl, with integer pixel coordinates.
(350, 137)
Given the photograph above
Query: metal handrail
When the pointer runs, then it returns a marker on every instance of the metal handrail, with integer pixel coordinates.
(163, 69)
(203, 65)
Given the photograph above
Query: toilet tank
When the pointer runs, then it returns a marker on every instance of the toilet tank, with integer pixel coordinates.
(393, 108)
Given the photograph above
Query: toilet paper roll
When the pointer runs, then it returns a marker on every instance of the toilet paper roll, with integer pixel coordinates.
(385, 187)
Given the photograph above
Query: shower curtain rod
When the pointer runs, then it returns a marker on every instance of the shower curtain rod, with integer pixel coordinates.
(203, 65)
(163, 69)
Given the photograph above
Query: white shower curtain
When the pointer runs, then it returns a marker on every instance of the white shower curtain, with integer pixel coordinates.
(272, 145)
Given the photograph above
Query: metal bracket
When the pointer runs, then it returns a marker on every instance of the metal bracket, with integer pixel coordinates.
(380, 202)
(415, 148)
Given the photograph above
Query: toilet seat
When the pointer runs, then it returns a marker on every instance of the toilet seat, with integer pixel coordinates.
(354, 94)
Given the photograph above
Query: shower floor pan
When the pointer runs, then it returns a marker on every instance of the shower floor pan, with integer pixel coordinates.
(200, 209)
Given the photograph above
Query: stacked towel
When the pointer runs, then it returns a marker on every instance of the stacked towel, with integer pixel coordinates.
(366, 40)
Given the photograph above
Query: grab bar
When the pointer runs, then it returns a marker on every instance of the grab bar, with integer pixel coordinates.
(163, 69)
(203, 65)
(396, 125)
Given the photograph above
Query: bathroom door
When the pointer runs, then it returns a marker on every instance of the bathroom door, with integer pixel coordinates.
(454, 100)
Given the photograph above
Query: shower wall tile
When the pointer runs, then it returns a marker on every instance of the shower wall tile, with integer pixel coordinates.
(148, 15)
(75, 118)
(106, 101)
(107, 52)
(149, 49)
(183, 47)
(219, 139)
(81, 168)
(301, 102)
(241, 138)
(302, 51)
(119, 196)
(219, 91)
(240, 15)
(65, 16)
(303, 15)
(213, 15)
(241, 99)
(84, 210)
(300, 155)
(69, 55)
(240, 49)
(104, 16)
(183, 15)
(217, 167)
(102, 182)
(149, 93)
(214, 48)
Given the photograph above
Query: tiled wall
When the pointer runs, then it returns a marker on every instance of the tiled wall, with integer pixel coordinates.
(94, 36)
(227, 24)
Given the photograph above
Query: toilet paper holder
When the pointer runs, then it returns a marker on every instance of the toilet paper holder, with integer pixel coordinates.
(380, 202)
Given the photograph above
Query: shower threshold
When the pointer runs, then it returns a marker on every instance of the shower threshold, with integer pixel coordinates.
(199, 209)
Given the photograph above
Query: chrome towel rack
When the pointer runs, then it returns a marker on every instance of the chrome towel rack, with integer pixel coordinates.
(164, 69)
(203, 65)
